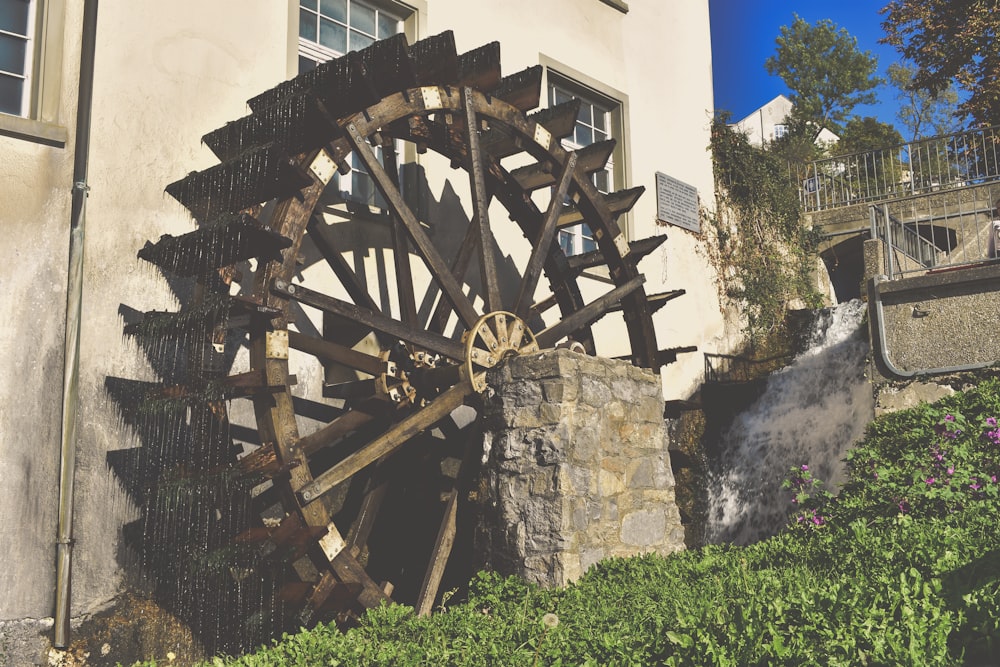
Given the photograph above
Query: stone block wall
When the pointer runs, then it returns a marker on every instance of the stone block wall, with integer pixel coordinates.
(576, 467)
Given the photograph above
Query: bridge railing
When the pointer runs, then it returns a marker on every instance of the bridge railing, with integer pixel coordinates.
(937, 231)
(929, 165)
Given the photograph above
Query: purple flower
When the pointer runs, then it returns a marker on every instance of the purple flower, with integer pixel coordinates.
(991, 421)
(805, 467)
(929, 481)
(951, 470)
(817, 520)
(949, 418)
(993, 478)
(904, 506)
(975, 484)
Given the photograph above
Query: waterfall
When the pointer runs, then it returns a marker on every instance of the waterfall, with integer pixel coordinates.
(810, 413)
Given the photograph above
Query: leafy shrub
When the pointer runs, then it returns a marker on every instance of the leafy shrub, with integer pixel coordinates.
(900, 571)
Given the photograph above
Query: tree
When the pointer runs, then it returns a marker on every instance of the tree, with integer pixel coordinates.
(824, 70)
(867, 134)
(951, 40)
(920, 112)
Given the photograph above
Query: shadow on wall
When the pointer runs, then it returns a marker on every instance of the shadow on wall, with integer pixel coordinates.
(199, 549)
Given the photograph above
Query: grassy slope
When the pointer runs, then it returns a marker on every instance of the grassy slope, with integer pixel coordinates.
(903, 570)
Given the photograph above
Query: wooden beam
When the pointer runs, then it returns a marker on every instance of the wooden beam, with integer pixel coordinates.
(481, 206)
(376, 321)
(325, 350)
(439, 557)
(589, 314)
(388, 442)
(589, 159)
(540, 251)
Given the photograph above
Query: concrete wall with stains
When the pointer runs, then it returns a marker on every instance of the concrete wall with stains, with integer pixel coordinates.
(167, 73)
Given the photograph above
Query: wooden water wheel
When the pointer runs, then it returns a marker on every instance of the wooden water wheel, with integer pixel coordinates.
(403, 346)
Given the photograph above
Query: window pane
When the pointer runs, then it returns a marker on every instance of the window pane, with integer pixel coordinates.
(600, 136)
(307, 25)
(306, 64)
(583, 135)
(600, 118)
(14, 16)
(309, 4)
(10, 94)
(359, 41)
(387, 25)
(335, 9)
(559, 96)
(362, 18)
(333, 35)
(601, 181)
(12, 54)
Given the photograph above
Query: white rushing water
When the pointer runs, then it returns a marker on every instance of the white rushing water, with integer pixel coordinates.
(810, 413)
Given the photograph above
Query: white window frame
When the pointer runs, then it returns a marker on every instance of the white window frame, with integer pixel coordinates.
(780, 130)
(26, 77)
(39, 117)
(316, 52)
(577, 239)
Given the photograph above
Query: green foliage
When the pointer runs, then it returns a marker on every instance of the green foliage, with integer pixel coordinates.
(764, 254)
(921, 113)
(950, 42)
(826, 72)
(901, 572)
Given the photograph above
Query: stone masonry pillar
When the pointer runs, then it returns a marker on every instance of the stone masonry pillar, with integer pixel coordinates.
(575, 469)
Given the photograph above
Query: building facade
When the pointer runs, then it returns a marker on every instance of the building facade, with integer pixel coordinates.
(167, 73)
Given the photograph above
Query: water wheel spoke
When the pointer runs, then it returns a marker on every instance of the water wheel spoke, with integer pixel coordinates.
(480, 206)
(439, 556)
(589, 314)
(329, 351)
(540, 251)
(335, 430)
(322, 238)
(400, 244)
(388, 442)
(374, 320)
(425, 247)
(459, 266)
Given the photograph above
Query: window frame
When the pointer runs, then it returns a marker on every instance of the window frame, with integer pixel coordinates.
(39, 120)
(574, 239)
(407, 17)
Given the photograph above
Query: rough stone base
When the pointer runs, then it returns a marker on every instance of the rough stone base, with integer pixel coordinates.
(576, 469)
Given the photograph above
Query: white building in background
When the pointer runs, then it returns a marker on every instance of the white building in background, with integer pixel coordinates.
(167, 73)
(770, 122)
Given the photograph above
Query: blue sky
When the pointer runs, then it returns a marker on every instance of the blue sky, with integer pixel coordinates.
(743, 34)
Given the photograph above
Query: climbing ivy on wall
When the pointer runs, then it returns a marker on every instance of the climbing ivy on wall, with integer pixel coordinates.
(764, 254)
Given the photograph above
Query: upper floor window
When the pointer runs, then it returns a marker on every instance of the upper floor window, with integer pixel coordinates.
(329, 29)
(596, 121)
(17, 27)
(780, 130)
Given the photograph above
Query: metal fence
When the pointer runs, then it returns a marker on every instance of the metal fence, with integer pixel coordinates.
(928, 165)
(936, 231)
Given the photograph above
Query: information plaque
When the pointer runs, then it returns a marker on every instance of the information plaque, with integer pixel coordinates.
(677, 203)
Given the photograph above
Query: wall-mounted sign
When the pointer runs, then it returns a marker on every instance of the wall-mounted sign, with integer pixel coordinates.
(677, 203)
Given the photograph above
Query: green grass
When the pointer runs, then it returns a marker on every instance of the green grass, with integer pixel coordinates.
(903, 569)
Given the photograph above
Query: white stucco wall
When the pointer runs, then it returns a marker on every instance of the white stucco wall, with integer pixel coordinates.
(167, 73)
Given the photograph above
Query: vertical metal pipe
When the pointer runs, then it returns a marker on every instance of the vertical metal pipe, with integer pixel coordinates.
(74, 298)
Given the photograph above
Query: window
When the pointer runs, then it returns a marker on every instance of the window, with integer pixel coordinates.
(31, 55)
(597, 121)
(329, 29)
(780, 130)
(17, 28)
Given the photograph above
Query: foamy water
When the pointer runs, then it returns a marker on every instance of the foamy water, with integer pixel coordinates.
(811, 412)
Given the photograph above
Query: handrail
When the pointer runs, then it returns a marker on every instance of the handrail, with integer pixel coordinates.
(935, 163)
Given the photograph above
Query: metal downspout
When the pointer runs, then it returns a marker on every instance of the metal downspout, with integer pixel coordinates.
(74, 298)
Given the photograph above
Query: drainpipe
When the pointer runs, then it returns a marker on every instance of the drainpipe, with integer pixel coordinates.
(74, 298)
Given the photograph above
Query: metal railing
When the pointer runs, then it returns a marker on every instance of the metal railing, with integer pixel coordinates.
(936, 231)
(918, 167)
(731, 368)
